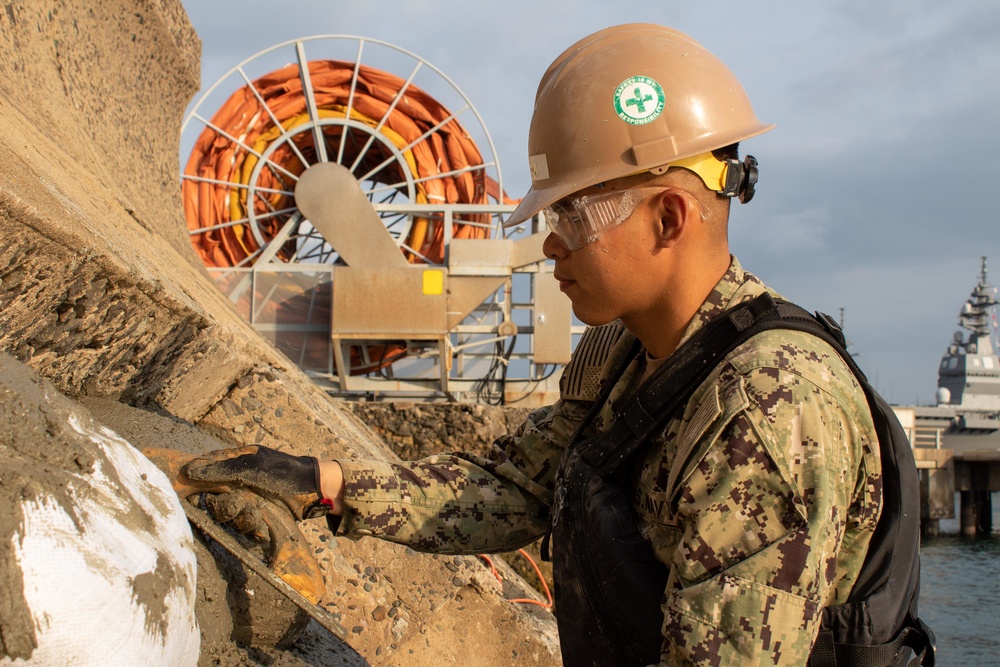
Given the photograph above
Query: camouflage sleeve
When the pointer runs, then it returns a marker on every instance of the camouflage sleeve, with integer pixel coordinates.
(460, 502)
(463, 503)
(777, 495)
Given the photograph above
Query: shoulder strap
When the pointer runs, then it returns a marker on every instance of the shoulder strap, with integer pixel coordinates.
(671, 385)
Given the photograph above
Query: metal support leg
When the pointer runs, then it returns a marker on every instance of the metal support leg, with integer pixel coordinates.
(444, 360)
(343, 366)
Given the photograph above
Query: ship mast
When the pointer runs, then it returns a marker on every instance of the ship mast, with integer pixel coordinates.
(969, 374)
(975, 315)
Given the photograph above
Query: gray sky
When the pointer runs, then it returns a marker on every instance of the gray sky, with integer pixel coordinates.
(876, 186)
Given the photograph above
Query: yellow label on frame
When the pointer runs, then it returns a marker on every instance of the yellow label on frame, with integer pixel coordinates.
(433, 282)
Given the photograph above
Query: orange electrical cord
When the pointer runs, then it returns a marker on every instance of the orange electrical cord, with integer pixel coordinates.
(545, 586)
(219, 169)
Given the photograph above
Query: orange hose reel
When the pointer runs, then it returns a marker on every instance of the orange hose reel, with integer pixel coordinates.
(353, 103)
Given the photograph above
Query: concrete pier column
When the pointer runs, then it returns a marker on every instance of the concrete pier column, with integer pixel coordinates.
(936, 468)
(984, 526)
(977, 513)
(968, 515)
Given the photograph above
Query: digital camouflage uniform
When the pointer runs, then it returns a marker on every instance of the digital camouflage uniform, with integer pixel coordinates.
(760, 499)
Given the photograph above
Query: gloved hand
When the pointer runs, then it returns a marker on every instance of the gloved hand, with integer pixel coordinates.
(285, 549)
(290, 480)
(238, 504)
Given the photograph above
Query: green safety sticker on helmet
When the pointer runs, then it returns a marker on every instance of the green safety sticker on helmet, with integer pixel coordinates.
(639, 100)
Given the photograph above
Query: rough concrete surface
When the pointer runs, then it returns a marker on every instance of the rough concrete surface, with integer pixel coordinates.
(101, 295)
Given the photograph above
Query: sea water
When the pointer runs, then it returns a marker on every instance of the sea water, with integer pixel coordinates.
(960, 594)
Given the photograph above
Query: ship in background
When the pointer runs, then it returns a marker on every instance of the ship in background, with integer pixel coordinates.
(957, 441)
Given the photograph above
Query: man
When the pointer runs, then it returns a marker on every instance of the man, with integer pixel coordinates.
(747, 511)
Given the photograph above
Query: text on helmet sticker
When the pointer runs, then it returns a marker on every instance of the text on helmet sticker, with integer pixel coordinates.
(639, 100)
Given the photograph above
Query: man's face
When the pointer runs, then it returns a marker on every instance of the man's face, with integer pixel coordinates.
(613, 276)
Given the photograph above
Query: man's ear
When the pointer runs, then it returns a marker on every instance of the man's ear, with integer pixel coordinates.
(675, 212)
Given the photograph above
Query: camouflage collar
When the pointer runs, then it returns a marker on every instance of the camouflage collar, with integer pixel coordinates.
(735, 286)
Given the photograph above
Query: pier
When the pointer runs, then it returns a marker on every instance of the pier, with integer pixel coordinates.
(972, 473)
(956, 443)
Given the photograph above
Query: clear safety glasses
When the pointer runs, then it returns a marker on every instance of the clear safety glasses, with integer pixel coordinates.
(585, 219)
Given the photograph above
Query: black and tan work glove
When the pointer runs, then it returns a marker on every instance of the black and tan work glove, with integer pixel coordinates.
(283, 478)
(260, 492)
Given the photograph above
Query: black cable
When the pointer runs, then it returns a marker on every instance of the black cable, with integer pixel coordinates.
(484, 387)
(490, 389)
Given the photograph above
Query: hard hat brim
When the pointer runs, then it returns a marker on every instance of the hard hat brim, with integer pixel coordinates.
(532, 203)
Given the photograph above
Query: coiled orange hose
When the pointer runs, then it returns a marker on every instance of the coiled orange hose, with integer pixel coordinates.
(440, 157)
(438, 152)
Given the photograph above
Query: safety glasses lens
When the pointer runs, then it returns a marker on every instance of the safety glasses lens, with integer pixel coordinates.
(585, 219)
(564, 223)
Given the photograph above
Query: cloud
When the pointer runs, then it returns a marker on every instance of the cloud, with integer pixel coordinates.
(801, 231)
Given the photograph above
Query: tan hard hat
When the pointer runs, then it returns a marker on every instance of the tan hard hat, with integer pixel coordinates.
(624, 100)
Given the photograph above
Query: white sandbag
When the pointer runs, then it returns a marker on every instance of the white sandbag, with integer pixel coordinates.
(108, 564)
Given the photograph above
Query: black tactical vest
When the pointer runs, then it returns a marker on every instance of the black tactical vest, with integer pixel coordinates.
(608, 582)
